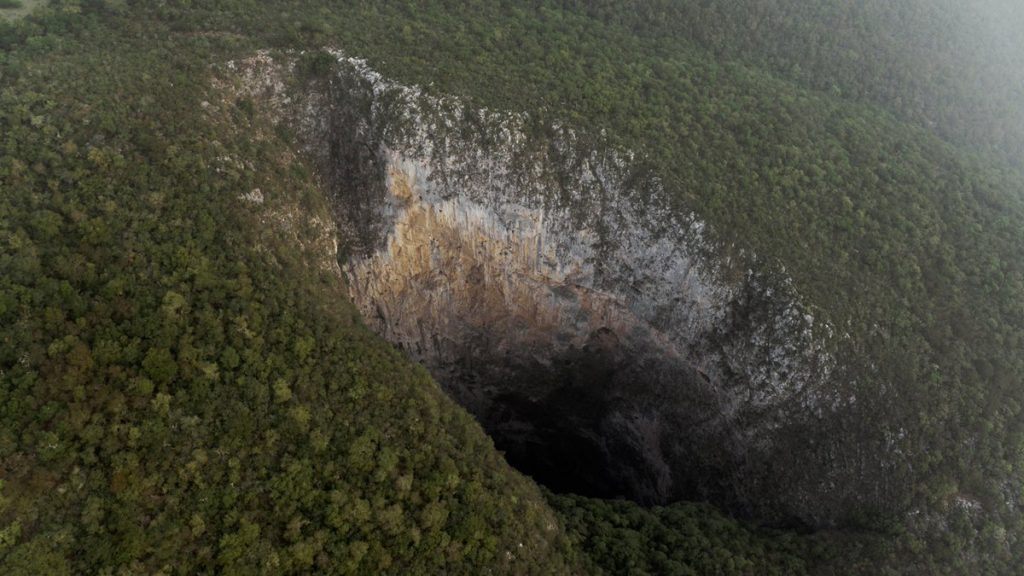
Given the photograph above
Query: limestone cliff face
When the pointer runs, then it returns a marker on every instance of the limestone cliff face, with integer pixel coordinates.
(553, 287)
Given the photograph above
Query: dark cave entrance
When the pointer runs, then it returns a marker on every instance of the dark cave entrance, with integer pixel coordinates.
(606, 420)
(558, 441)
(560, 451)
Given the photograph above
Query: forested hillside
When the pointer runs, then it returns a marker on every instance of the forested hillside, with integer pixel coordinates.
(955, 67)
(185, 389)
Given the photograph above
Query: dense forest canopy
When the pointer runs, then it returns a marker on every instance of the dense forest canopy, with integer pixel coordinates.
(955, 67)
(184, 390)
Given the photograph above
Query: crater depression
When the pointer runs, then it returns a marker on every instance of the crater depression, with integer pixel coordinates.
(553, 288)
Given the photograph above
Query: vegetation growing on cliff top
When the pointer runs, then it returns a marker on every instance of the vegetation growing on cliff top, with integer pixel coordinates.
(181, 391)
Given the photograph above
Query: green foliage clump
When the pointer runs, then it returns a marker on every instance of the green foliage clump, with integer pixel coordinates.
(316, 64)
(684, 539)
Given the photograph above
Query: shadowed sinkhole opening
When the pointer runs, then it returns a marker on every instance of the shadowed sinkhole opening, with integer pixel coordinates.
(605, 419)
(609, 421)
(583, 402)
(577, 389)
(604, 365)
(557, 439)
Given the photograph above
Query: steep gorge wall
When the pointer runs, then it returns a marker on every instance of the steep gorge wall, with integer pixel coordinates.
(549, 285)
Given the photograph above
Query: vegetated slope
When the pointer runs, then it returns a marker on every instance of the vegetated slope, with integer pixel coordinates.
(350, 132)
(907, 244)
(12, 9)
(952, 66)
(683, 539)
(183, 387)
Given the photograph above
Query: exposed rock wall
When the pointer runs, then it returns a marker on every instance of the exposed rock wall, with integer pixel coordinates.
(550, 286)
